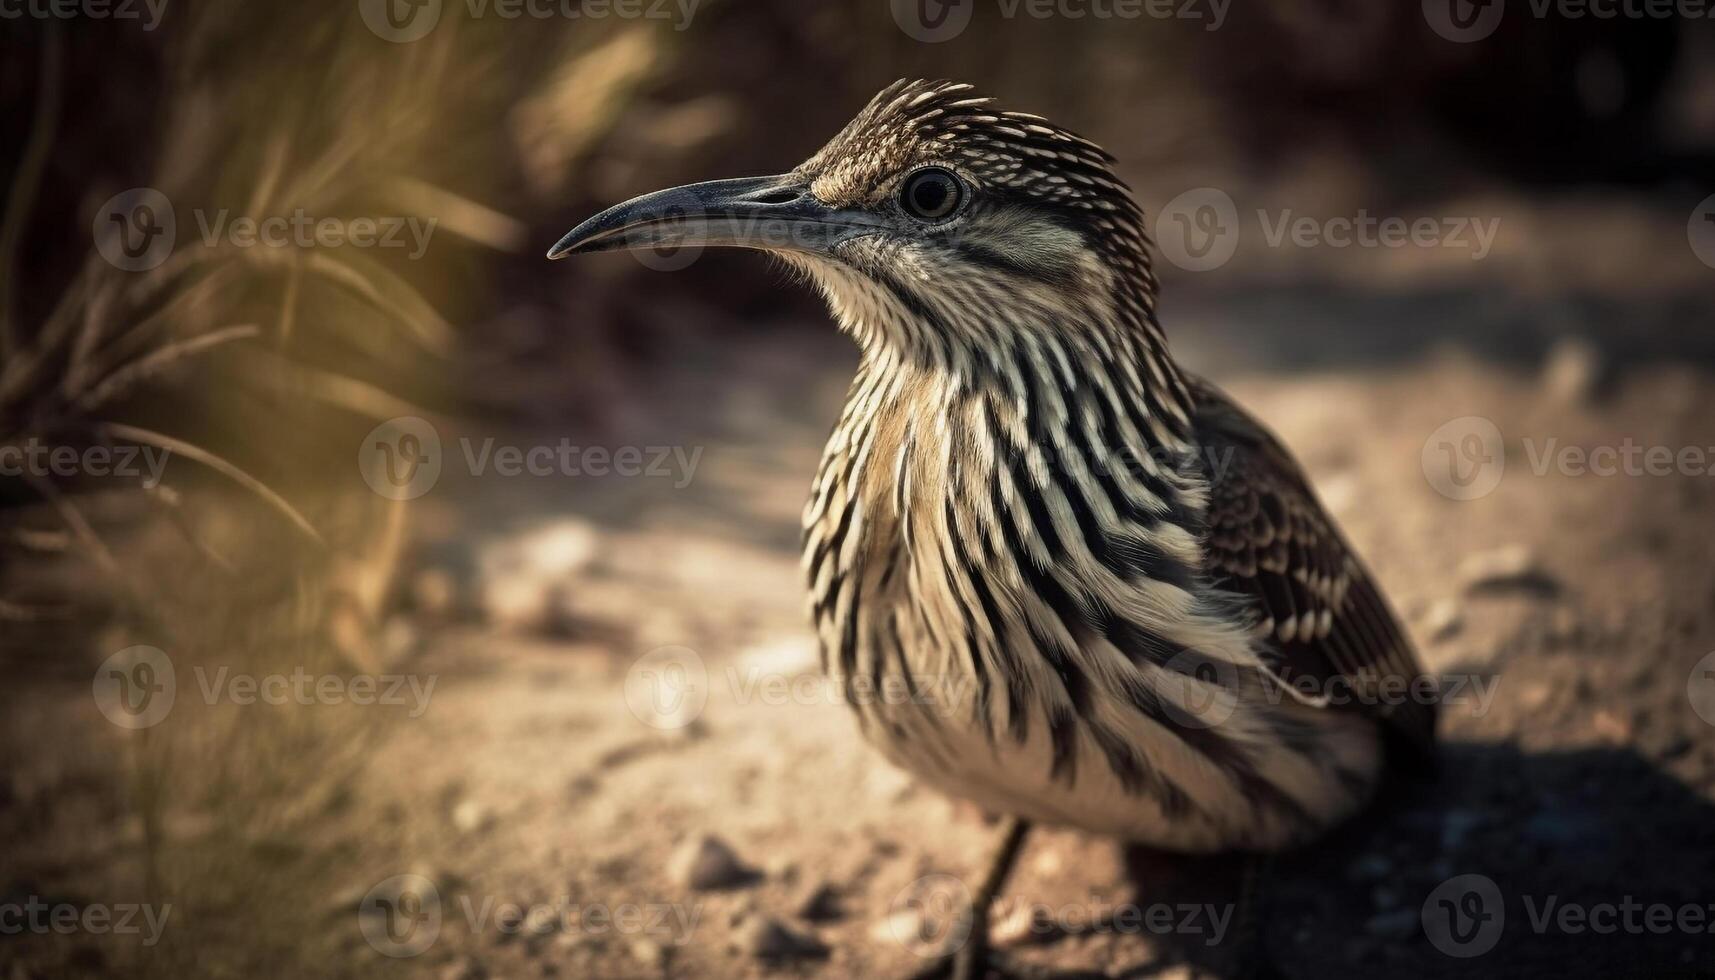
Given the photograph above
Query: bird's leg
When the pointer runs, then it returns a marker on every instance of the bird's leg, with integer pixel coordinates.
(971, 960)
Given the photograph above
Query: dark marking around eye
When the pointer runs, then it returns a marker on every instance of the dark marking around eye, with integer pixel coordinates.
(932, 194)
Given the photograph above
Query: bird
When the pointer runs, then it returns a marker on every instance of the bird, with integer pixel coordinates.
(1109, 594)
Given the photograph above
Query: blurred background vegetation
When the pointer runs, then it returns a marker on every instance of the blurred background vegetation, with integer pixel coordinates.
(264, 367)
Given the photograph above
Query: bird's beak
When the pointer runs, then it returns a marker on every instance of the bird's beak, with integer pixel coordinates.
(773, 213)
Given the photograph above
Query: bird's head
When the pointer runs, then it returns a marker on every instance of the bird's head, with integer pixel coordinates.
(934, 223)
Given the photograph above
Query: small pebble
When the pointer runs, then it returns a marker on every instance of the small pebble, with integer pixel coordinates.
(1534, 696)
(651, 954)
(707, 864)
(769, 939)
(820, 903)
(1443, 620)
(1572, 371)
(1677, 746)
(781, 866)
(900, 928)
(465, 968)
(1049, 862)
(1565, 626)
(1612, 727)
(435, 593)
(1506, 569)
(469, 816)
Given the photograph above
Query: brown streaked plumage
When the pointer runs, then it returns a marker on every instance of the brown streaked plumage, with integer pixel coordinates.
(1059, 575)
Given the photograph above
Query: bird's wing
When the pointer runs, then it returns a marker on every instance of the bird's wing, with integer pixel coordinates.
(1333, 637)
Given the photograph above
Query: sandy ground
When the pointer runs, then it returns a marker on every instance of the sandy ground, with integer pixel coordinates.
(564, 818)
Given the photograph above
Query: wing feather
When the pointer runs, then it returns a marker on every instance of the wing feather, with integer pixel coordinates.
(1269, 538)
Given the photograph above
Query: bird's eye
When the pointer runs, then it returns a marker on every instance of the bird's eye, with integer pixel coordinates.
(932, 194)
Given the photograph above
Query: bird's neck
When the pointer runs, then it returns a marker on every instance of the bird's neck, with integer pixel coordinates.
(978, 334)
(1108, 408)
(1030, 355)
(1116, 400)
(1029, 453)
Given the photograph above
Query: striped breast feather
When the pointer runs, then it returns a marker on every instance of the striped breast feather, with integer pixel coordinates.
(1328, 628)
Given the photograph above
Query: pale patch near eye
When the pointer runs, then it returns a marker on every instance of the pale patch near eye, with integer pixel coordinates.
(1030, 241)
